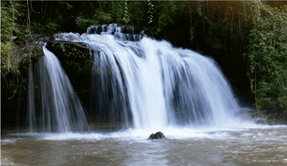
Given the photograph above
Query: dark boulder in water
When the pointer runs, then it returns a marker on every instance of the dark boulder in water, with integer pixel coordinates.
(157, 135)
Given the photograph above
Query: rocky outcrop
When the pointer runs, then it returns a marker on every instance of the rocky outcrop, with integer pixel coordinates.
(157, 135)
(24, 49)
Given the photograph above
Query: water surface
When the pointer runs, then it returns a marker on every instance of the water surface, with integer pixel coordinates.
(255, 145)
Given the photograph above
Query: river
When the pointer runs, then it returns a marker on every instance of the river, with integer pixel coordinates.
(233, 145)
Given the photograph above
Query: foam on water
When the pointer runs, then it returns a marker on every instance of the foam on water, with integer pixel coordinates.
(7, 140)
(251, 131)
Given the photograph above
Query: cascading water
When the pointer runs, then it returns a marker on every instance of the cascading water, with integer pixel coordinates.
(53, 104)
(154, 85)
(113, 29)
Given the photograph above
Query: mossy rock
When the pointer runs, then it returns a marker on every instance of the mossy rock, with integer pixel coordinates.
(157, 135)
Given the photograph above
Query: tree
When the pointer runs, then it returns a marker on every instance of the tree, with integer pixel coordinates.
(9, 14)
(267, 53)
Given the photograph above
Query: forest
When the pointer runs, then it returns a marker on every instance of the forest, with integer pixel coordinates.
(248, 40)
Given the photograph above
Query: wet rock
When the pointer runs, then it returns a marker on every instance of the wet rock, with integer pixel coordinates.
(36, 38)
(157, 135)
(104, 28)
(98, 29)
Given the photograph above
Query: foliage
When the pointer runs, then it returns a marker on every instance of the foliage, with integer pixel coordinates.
(170, 21)
(48, 17)
(150, 12)
(10, 11)
(14, 59)
(77, 58)
(268, 58)
(9, 15)
(138, 14)
(126, 18)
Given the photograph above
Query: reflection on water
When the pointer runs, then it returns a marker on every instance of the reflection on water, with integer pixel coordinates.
(253, 146)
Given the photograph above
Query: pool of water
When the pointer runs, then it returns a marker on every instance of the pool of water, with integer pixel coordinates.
(253, 145)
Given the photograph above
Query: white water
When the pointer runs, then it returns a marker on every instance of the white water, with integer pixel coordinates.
(58, 107)
(246, 130)
(165, 86)
(117, 31)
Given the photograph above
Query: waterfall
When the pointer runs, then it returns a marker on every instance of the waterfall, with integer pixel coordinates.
(113, 29)
(151, 84)
(52, 100)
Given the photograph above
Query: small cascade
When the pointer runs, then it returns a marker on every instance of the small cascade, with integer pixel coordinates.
(150, 84)
(123, 33)
(53, 105)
